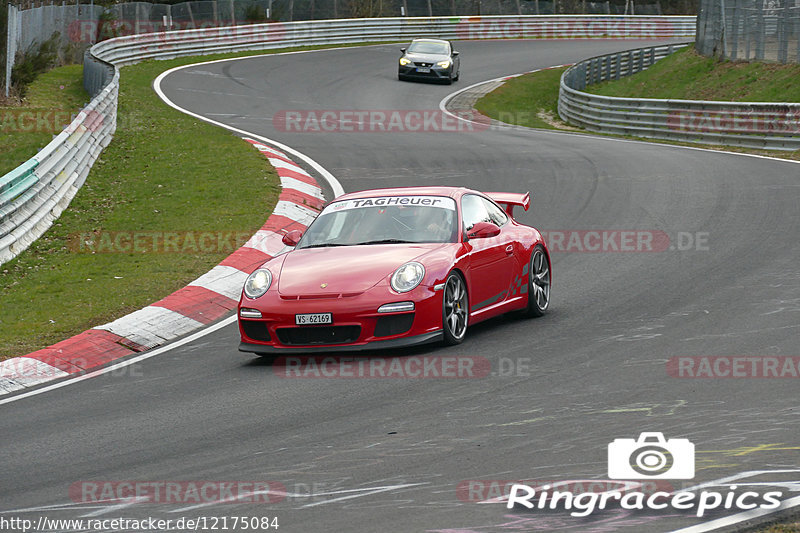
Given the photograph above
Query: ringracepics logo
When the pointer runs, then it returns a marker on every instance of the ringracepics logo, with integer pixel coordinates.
(588, 502)
(649, 457)
(491, 490)
(378, 121)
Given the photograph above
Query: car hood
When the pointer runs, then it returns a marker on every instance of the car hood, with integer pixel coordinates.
(427, 58)
(346, 270)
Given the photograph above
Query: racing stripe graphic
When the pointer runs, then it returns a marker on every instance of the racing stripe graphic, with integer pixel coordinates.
(519, 285)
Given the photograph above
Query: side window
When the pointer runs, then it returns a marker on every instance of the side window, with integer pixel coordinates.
(473, 210)
(498, 216)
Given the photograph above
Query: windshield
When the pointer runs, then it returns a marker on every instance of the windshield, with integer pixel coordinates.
(429, 47)
(383, 220)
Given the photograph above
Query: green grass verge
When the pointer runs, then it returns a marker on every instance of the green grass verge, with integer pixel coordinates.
(686, 75)
(56, 94)
(164, 171)
(531, 100)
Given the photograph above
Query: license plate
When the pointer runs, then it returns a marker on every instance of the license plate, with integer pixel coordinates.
(423, 70)
(313, 318)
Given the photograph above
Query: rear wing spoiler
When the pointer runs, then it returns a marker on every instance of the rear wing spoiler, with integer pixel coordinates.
(509, 200)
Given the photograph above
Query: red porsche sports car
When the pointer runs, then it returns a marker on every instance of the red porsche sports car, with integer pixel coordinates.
(396, 267)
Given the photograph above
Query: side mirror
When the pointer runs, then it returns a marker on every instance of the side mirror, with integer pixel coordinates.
(292, 238)
(483, 230)
(403, 50)
(455, 54)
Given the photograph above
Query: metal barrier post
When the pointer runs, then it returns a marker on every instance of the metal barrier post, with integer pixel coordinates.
(11, 44)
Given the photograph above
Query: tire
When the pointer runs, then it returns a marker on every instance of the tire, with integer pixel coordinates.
(455, 309)
(538, 283)
(458, 75)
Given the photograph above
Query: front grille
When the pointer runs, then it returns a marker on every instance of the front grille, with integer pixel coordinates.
(255, 330)
(319, 335)
(422, 64)
(393, 325)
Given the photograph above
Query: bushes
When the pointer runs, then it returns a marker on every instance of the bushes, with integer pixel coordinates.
(35, 60)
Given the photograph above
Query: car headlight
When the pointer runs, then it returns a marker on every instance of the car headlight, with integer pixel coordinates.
(258, 283)
(405, 61)
(407, 276)
(443, 64)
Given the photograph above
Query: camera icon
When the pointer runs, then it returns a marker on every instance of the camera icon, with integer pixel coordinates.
(651, 457)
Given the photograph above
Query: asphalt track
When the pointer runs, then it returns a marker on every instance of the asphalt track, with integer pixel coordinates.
(390, 454)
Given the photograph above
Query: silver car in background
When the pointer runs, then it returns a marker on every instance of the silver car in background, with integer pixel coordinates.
(429, 59)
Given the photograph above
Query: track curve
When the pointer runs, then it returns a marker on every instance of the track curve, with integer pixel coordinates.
(383, 454)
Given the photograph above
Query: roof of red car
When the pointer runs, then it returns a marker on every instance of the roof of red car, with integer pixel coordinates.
(452, 192)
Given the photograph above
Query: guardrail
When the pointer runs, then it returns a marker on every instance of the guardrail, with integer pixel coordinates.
(772, 126)
(36, 192)
(65, 162)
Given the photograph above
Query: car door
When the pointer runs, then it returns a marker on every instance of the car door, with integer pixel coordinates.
(490, 259)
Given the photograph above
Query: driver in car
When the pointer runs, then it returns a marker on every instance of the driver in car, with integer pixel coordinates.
(436, 224)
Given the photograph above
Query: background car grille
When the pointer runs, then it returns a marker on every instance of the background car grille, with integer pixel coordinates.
(393, 325)
(319, 335)
(422, 64)
(255, 330)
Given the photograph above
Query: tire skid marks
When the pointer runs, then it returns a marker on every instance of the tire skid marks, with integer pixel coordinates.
(205, 300)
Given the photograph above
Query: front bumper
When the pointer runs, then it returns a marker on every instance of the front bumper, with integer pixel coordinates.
(357, 325)
(403, 342)
(436, 73)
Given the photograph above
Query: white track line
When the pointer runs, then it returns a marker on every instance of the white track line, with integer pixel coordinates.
(738, 518)
(127, 362)
(337, 188)
(443, 107)
(719, 522)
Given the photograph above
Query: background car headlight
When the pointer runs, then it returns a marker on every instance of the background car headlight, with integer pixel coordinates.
(443, 64)
(405, 61)
(407, 276)
(258, 283)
